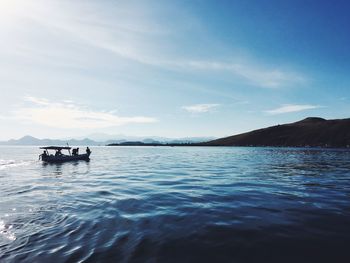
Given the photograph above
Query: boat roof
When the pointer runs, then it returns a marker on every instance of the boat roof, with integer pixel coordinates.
(56, 148)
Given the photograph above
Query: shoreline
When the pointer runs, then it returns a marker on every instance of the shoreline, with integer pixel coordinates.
(246, 146)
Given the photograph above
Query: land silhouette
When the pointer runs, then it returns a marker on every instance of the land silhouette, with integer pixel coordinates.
(310, 132)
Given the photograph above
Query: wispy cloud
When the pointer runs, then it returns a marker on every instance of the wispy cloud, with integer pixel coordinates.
(200, 108)
(69, 115)
(41, 101)
(251, 72)
(287, 108)
(138, 38)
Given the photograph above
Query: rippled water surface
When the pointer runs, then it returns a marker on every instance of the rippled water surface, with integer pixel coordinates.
(176, 204)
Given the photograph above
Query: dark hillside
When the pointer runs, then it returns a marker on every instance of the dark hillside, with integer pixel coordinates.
(310, 132)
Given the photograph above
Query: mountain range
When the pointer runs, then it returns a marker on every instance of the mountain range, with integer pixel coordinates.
(310, 132)
(103, 139)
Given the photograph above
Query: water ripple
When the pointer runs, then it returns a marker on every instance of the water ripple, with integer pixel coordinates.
(176, 204)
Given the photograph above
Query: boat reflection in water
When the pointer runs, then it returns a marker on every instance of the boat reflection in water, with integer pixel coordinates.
(59, 157)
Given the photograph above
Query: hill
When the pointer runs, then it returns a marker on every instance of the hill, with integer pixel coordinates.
(310, 132)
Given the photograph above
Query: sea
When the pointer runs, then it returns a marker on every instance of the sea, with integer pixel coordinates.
(176, 204)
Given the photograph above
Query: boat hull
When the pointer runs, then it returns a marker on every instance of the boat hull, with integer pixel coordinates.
(65, 158)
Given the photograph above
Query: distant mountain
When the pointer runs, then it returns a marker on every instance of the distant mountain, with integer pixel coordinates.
(118, 138)
(310, 132)
(29, 140)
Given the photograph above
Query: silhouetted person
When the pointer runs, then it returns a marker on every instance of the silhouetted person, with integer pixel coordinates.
(43, 155)
(88, 151)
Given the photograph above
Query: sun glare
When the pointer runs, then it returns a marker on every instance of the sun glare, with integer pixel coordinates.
(9, 6)
(12, 9)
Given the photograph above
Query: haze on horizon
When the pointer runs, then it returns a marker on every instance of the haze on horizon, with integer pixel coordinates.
(170, 68)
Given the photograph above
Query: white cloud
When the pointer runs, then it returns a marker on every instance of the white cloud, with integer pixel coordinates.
(38, 101)
(200, 108)
(255, 74)
(287, 108)
(68, 115)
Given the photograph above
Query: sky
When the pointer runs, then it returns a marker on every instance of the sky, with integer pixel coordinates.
(170, 68)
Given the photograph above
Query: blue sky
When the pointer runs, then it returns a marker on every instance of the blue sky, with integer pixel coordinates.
(170, 68)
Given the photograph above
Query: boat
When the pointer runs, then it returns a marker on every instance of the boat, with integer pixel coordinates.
(59, 157)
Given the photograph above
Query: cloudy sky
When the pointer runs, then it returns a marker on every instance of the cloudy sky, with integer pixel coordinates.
(170, 68)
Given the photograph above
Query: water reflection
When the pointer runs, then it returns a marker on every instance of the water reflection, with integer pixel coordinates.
(70, 167)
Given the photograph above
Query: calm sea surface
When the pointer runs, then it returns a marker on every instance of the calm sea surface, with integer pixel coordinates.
(176, 204)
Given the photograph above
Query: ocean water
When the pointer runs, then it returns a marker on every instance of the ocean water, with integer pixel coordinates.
(176, 204)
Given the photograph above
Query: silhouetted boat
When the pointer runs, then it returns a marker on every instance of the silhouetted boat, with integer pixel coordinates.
(58, 157)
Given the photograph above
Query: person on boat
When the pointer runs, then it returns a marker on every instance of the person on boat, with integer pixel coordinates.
(43, 155)
(74, 151)
(88, 151)
(58, 153)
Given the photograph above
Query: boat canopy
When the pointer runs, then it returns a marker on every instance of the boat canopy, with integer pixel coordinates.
(56, 148)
